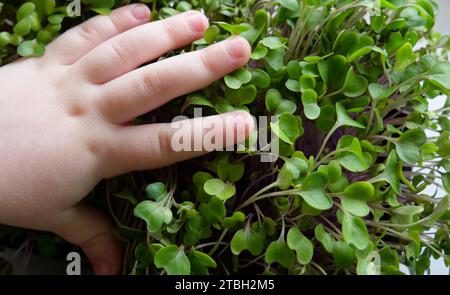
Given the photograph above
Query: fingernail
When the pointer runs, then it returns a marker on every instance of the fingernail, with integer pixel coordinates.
(140, 11)
(101, 267)
(237, 47)
(197, 22)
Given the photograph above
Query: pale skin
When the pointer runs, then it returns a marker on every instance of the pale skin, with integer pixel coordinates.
(63, 118)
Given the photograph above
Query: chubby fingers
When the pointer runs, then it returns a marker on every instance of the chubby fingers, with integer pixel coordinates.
(78, 41)
(157, 145)
(151, 86)
(127, 51)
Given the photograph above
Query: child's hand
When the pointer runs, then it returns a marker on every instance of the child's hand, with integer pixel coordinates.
(62, 118)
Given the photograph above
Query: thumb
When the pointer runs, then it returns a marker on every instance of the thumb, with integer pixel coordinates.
(92, 231)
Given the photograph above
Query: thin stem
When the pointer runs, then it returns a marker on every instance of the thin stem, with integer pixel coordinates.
(209, 244)
(319, 268)
(325, 141)
(222, 236)
(258, 198)
(252, 261)
(369, 121)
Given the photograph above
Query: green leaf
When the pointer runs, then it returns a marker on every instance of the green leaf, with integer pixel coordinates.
(261, 19)
(102, 3)
(404, 57)
(376, 91)
(232, 28)
(334, 171)
(326, 118)
(345, 42)
(359, 53)
(252, 34)
(405, 214)
(291, 170)
(307, 82)
(301, 245)
(334, 71)
(173, 260)
(230, 172)
(22, 28)
(326, 239)
(290, 4)
(293, 85)
(294, 70)
(145, 253)
(223, 106)
(407, 145)
(156, 191)
(273, 100)
(241, 96)
(272, 42)
(197, 99)
(312, 191)
(275, 58)
(439, 75)
(278, 251)
(154, 214)
(232, 82)
(216, 187)
(211, 34)
(259, 52)
(236, 79)
(287, 106)
(390, 173)
(213, 211)
(351, 156)
(275, 104)
(310, 107)
(354, 85)
(440, 210)
(25, 10)
(343, 255)
(362, 190)
(102, 6)
(355, 206)
(200, 262)
(248, 239)
(260, 78)
(355, 231)
(56, 19)
(5, 38)
(408, 210)
(343, 119)
(287, 128)
(234, 220)
(31, 48)
(446, 181)
(199, 178)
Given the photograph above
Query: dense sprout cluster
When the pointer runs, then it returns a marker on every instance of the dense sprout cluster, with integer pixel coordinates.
(363, 175)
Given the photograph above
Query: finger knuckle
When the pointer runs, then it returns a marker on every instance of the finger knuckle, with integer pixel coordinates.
(115, 22)
(153, 83)
(206, 61)
(121, 51)
(88, 32)
(164, 144)
(170, 29)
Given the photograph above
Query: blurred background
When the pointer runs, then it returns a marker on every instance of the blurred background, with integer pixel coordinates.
(443, 20)
(443, 26)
